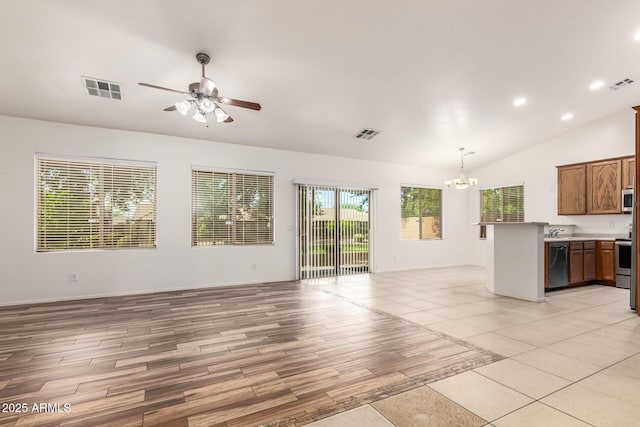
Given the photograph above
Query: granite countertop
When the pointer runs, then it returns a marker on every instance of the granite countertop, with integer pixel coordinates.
(510, 223)
(584, 238)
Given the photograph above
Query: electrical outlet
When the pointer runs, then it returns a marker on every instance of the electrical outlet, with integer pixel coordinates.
(253, 267)
(74, 277)
(612, 225)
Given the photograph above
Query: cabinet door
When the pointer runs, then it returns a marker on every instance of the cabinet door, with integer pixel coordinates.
(589, 260)
(546, 265)
(606, 269)
(604, 187)
(572, 190)
(628, 172)
(576, 263)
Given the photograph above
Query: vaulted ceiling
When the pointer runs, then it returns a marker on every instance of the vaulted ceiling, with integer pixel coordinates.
(430, 75)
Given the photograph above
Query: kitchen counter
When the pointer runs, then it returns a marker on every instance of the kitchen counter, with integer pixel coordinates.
(579, 238)
(586, 237)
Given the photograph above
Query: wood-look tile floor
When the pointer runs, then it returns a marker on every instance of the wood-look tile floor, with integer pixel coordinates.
(269, 354)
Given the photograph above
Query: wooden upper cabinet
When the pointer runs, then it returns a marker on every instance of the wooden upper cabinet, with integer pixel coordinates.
(604, 186)
(628, 172)
(572, 190)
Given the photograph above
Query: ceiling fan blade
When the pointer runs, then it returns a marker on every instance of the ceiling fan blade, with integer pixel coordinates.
(206, 86)
(164, 88)
(228, 120)
(172, 108)
(238, 103)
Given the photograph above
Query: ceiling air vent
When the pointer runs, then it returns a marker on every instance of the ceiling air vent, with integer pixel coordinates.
(102, 88)
(366, 134)
(620, 84)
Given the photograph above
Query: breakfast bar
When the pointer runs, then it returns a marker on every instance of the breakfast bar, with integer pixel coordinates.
(515, 259)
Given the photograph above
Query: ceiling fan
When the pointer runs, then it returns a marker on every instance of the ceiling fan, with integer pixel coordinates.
(204, 98)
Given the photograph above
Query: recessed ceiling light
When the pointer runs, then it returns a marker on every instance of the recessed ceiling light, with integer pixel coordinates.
(519, 101)
(567, 116)
(596, 85)
(636, 37)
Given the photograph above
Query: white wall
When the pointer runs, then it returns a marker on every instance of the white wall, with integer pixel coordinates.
(27, 276)
(612, 136)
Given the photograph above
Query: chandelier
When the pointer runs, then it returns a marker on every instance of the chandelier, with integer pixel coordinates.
(462, 182)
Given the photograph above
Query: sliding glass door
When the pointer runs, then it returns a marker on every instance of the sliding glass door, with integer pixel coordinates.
(334, 231)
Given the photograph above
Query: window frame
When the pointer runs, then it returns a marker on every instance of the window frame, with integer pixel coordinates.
(520, 215)
(44, 162)
(421, 211)
(234, 176)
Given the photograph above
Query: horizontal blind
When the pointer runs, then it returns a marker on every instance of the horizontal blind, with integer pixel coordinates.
(90, 204)
(502, 204)
(231, 208)
(421, 213)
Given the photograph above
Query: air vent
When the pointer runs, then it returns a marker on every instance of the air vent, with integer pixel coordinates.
(620, 84)
(102, 88)
(366, 134)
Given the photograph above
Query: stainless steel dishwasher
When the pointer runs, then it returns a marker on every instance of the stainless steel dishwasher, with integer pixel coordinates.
(558, 265)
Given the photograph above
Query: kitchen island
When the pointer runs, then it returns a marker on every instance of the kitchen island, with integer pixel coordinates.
(515, 259)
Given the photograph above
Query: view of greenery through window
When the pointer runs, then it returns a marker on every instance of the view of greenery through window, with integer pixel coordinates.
(421, 213)
(334, 231)
(231, 208)
(92, 205)
(502, 204)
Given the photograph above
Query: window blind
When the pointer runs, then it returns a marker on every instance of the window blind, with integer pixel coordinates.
(502, 204)
(231, 208)
(93, 204)
(421, 213)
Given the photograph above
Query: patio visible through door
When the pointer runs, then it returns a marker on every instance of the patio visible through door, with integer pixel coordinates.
(333, 231)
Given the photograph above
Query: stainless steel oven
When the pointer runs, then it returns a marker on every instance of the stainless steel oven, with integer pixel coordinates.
(623, 263)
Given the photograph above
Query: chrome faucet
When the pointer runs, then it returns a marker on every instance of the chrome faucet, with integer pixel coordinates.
(555, 231)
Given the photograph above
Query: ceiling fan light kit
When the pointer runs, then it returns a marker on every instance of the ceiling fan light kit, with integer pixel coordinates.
(205, 98)
(199, 117)
(462, 182)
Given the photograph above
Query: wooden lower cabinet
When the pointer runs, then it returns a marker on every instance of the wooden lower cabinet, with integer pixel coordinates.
(605, 262)
(576, 263)
(589, 261)
(546, 265)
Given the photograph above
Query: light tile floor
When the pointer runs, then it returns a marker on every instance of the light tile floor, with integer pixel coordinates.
(573, 360)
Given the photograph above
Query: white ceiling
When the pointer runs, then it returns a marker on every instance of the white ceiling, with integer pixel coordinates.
(431, 75)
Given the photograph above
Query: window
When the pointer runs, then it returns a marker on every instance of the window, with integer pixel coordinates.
(421, 212)
(231, 208)
(95, 204)
(501, 204)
